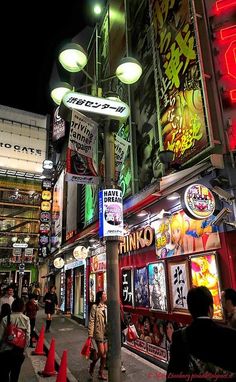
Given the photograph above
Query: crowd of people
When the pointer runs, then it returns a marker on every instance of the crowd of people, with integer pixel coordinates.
(17, 320)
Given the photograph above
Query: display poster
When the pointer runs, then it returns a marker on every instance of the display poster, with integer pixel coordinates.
(154, 334)
(91, 203)
(92, 287)
(58, 127)
(80, 162)
(205, 273)
(179, 285)
(110, 213)
(182, 111)
(126, 287)
(157, 286)
(144, 107)
(141, 287)
(179, 235)
(71, 209)
(98, 263)
(57, 211)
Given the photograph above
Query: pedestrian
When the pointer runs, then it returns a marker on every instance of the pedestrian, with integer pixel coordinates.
(229, 303)
(97, 329)
(37, 291)
(51, 303)
(31, 310)
(5, 310)
(204, 348)
(12, 357)
(25, 291)
(8, 297)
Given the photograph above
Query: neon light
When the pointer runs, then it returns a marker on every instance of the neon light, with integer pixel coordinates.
(221, 4)
(230, 59)
(232, 95)
(228, 32)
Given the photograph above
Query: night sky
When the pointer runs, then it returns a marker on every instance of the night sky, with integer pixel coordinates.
(31, 34)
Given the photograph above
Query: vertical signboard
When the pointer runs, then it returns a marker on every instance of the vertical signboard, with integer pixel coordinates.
(45, 218)
(182, 119)
(57, 210)
(110, 213)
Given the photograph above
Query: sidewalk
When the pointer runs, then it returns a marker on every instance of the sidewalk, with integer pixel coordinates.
(70, 335)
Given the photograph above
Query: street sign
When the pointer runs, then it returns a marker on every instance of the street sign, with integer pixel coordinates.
(20, 245)
(95, 105)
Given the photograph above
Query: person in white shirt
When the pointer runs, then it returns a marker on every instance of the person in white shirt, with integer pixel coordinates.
(8, 297)
(12, 357)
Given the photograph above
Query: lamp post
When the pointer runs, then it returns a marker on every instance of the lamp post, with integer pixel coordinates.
(73, 58)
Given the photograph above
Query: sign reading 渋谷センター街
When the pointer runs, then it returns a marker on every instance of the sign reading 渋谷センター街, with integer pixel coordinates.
(110, 213)
(80, 166)
(180, 91)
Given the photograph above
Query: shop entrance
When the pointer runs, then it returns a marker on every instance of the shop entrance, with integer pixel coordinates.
(79, 292)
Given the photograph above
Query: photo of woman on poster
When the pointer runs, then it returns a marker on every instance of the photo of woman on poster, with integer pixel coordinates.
(141, 287)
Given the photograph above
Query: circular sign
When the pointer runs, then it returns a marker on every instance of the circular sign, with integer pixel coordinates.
(58, 262)
(198, 201)
(45, 206)
(46, 195)
(44, 228)
(80, 252)
(45, 217)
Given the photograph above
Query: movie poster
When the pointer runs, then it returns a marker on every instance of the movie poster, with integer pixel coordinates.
(181, 235)
(141, 287)
(126, 287)
(92, 287)
(205, 273)
(180, 92)
(179, 285)
(157, 286)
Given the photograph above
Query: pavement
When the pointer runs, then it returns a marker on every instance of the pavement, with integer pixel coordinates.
(70, 335)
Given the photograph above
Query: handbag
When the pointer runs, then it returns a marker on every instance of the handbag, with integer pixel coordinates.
(131, 333)
(86, 349)
(15, 336)
(93, 353)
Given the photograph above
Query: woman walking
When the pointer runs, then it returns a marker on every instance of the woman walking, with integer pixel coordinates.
(51, 303)
(11, 356)
(97, 329)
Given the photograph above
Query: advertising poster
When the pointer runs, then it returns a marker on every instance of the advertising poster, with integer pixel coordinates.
(179, 285)
(205, 273)
(71, 209)
(80, 166)
(110, 213)
(157, 286)
(126, 287)
(92, 287)
(57, 210)
(58, 127)
(180, 96)
(144, 110)
(141, 287)
(179, 235)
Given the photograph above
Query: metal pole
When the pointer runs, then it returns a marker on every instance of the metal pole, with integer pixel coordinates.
(113, 293)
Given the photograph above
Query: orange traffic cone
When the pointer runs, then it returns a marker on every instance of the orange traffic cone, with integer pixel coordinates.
(39, 347)
(61, 377)
(49, 368)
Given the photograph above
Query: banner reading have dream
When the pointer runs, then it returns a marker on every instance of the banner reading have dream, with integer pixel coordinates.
(80, 166)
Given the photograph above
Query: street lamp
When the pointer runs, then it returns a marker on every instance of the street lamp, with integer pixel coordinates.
(73, 58)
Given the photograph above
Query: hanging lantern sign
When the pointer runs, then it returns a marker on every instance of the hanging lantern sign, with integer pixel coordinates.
(198, 202)
(80, 252)
(59, 263)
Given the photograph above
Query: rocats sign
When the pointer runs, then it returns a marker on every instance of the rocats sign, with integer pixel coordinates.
(137, 240)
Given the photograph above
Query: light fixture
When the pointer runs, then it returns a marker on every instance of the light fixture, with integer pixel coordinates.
(97, 9)
(59, 91)
(47, 164)
(112, 96)
(173, 196)
(142, 213)
(14, 239)
(73, 57)
(27, 239)
(129, 70)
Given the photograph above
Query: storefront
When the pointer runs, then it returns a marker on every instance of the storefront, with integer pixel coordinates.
(164, 254)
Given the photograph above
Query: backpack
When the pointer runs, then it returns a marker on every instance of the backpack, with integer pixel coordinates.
(207, 370)
(14, 336)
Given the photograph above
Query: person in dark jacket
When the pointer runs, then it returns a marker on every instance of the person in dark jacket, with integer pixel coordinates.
(31, 310)
(204, 341)
(51, 303)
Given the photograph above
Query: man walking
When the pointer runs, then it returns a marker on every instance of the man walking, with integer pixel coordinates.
(8, 297)
(203, 350)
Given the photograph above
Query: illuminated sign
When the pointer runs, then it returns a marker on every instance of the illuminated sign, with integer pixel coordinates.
(110, 213)
(20, 245)
(59, 263)
(136, 240)
(80, 252)
(94, 105)
(198, 202)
